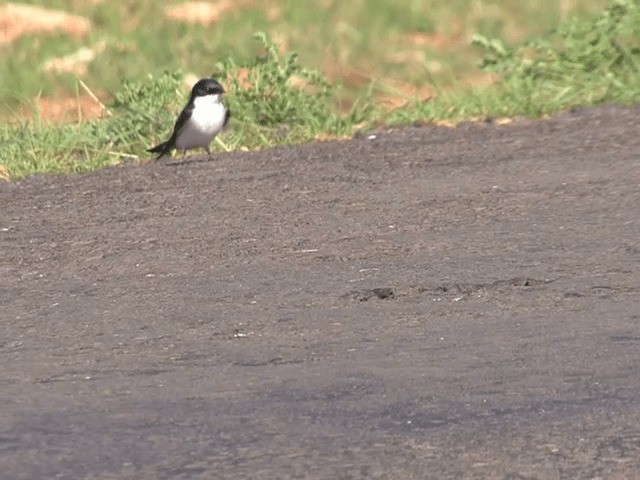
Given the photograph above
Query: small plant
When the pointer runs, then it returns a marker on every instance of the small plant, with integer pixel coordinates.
(279, 99)
(267, 93)
(143, 110)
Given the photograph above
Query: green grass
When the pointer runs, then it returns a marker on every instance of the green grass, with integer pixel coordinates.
(578, 64)
(352, 42)
(278, 97)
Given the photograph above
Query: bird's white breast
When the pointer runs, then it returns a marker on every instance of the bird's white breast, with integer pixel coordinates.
(207, 119)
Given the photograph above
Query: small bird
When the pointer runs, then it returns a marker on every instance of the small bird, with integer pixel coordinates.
(200, 121)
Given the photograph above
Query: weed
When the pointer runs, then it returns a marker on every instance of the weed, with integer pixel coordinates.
(275, 99)
(142, 109)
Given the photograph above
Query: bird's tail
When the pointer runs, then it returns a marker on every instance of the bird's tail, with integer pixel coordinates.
(160, 149)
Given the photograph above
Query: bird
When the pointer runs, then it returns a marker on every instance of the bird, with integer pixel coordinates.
(200, 121)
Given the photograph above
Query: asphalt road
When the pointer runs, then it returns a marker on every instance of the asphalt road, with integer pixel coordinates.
(425, 303)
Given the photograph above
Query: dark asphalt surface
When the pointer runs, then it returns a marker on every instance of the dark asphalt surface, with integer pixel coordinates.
(430, 303)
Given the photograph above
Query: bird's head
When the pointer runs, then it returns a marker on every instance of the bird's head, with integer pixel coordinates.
(207, 86)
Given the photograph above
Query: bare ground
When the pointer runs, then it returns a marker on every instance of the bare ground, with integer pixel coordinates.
(429, 303)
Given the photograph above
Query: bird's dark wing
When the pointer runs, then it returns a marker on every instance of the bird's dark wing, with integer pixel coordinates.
(184, 117)
(167, 146)
(227, 116)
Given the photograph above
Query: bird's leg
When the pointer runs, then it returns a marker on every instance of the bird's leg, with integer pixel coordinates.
(184, 153)
(208, 151)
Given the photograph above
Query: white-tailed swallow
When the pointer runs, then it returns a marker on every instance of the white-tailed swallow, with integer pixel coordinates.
(200, 121)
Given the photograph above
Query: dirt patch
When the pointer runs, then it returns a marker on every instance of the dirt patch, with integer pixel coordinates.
(63, 109)
(204, 13)
(18, 20)
(208, 13)
(437, 40)
(76, 62)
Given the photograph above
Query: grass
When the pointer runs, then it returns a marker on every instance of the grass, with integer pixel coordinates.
(276, 100)
(398, 43)
(579, 63)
